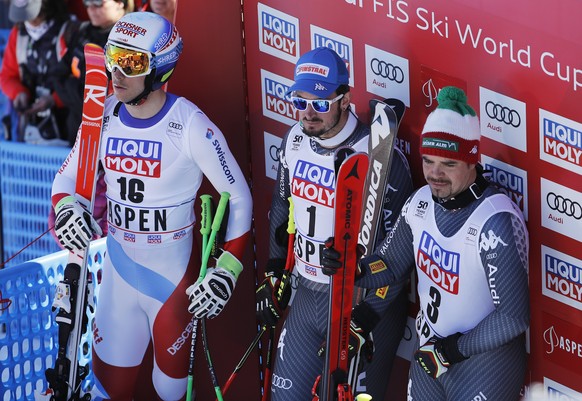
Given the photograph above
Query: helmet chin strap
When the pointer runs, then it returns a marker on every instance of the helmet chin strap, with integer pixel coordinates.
(142, 97)
(139, 99)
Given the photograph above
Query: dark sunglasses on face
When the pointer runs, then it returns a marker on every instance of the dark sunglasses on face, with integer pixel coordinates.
(319, 105)
(94, 3)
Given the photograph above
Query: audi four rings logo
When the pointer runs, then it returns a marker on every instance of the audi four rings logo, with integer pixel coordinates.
(274, 153)
(386, 70)
(175, 125)
(564, 205)
(280, 382)
(503, 114)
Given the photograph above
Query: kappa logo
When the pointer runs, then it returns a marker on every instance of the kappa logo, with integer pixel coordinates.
(319, 87)
(281, 343)
(490, 242)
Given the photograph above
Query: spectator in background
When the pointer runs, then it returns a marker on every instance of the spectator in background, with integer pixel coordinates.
(42, 32)
(165, 8)
(103, 14)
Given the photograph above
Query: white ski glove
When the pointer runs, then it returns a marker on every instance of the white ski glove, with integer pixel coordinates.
(208, 298)
(74, 226)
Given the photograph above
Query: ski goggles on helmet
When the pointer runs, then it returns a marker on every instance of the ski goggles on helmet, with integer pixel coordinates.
(319, 105)
(131, 62)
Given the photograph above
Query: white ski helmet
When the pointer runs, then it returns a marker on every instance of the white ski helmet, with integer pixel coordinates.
(155, 36)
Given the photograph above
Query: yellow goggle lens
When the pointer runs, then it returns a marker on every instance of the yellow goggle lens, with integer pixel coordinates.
(131, 62)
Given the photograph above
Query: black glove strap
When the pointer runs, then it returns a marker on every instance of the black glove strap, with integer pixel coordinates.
(450, 348)
(365, 317)
(275, 267)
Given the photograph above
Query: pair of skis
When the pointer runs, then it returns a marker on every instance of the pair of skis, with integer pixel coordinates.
(66, 377)
(359, 197)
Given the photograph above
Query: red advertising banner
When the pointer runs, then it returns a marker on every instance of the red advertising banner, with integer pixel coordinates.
(520, 64)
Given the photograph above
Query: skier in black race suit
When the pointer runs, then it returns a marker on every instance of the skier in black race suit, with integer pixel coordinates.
(470, 246)
(321, 95)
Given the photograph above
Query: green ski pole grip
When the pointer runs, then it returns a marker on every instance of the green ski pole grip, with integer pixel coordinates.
(291, 223)
(220, 210)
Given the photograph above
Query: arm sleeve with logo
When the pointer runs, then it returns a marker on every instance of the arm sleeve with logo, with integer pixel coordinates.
(504, 256)
(209, 149)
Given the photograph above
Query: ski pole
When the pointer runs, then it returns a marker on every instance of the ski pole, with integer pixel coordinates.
(243, 359)
(289, 264)
(285, 278)
(268, 364)
(205, 227)
(216, 223)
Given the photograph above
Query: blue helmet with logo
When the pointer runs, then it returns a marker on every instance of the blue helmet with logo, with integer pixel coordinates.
(154, 39)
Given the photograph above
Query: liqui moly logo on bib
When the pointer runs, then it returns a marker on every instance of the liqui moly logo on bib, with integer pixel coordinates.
(278, 33)
(134, 156)
(314, 183)
(340, 44)
(439, 264)
(562, 277)
(561, 141)
(275, 104)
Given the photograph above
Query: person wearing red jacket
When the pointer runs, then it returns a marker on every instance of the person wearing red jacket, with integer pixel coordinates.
(30, 59)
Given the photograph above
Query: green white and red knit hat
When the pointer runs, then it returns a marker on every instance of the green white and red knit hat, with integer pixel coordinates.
(452, 129)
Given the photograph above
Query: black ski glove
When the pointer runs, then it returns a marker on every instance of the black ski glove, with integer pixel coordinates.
(271, 306)
(330, 263)
(364, 319)
(438, 354)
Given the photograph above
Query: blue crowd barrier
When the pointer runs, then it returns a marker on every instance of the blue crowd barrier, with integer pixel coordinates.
(26, 176)
(28, 331)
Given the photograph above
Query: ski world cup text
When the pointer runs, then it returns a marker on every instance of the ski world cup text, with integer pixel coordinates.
(563, 278)
(314, 183)
(440, 265)
(134, 156)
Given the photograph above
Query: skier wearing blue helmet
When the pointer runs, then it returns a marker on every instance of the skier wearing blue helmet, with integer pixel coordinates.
(156, 149)
(135, 50)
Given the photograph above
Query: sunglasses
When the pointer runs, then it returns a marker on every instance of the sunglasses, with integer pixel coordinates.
(132, 63)
(94, 3)
(319, 105)
(97, 3)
